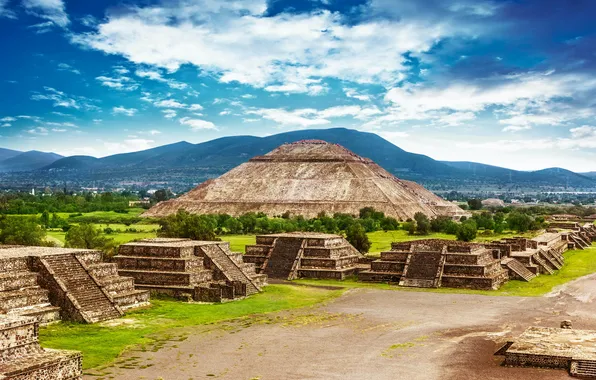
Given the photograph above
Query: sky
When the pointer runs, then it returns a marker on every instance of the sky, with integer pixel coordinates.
(508, 83)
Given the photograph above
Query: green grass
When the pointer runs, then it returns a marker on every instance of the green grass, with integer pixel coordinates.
(578, 263)
(239, 242)
(100, 345)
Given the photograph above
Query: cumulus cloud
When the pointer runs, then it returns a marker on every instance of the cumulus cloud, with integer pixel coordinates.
(121, 83)
(52, 10)
(286, 52)
(169, 114)
(128, 145)
(124, 111)
(197, 124)
(169, 103)
(156, 75)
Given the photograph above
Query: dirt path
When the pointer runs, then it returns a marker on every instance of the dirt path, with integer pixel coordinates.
(368, 334)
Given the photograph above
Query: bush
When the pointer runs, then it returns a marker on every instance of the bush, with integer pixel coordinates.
(21, 231)
(467, 231)
(89, 237)
(356, 235)
(185, 225)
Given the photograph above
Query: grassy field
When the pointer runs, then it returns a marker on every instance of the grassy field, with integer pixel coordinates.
(578, 263)
(101, 344)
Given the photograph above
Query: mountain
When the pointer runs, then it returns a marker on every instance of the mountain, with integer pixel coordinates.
(27, 161)
(186, 164)
(231, 151)
(559, 176)
(8, 153)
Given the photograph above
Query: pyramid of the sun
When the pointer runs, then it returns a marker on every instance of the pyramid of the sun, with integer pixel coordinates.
(306, 178)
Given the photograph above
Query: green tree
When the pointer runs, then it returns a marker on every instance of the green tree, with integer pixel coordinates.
(89, 237)
(519, 222)
(356, 235)
(44, 219)
(475, 204)
(21, 231)
(389, 224)
(186, 225)
(467, 231)
(422, 224)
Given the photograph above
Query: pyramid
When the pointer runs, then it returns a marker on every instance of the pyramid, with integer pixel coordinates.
(306, 178)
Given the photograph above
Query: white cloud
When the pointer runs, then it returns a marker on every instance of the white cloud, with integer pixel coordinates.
(8, 119)
(61, 99)
(195, 107)
(307, 117)
(169, 103)
(353, 93)
(124, 111)
(38, 131)
(128, 145)
(248, 96)
(225, 112)
(169, 114)
(286, 52)
(4, 11)
(516, 128)
(197, 124)
(121, 83)
(53, 10)
(120, 70)
(5, 125)
(157, 76)
(59, 130)
(67, 67)
(43, 27)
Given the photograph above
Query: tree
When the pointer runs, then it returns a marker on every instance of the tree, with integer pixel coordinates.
(467, 231)
(44, 219)
(21, 231)
(519, 222)
(475, 204)
(356, 235)
(89, 237)
(186, 225)
(422, 224)
(389, 224)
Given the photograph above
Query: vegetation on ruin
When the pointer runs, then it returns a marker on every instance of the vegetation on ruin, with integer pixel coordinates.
(144, 329)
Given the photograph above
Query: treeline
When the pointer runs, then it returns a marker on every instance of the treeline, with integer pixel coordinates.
(27, 204)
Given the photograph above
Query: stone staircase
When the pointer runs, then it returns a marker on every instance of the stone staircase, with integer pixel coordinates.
(81, 292)
(120, 289)
(548, 257)
(543, 265)
(21, 357)
(228, 267)
(423, 269)
(21, 295)
(518, 268)
(285, 252)
(584, 369)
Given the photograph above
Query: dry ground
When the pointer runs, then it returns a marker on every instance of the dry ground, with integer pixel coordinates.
(367, 334)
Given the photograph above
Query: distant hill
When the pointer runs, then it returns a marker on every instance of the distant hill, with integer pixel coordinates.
(27, 161)
(188, 164)
(231, 151)
(8, 153)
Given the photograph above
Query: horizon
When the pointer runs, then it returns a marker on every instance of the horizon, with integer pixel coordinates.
(509, 84)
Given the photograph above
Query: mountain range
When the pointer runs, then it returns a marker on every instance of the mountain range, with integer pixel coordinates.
(214, 157)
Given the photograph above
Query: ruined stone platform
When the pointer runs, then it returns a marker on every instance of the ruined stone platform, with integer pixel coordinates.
(50, 283)
(437, 263)
(22, 358)
(570, 349)
(303, 255)
(202, 270)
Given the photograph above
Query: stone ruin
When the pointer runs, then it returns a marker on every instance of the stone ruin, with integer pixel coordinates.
(303, 255)
(306, 178)
(52, 283)
(557, 348)
(434, 263)
(206, 271)
(22, 358)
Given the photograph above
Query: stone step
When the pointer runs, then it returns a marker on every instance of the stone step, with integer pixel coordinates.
(43, 313)
(117, 283)
(23, 297)
(132, 299)
(17, 280)
(543, 264)
(583, 369)
(167, 278)
(103, 269)
(518, 268)
(229, 267)
(50, 364)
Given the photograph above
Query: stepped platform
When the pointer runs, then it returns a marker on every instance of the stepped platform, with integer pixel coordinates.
(544, 347)
(200, 270)
(303, 255)
(22, 358)
(52, 283)
(437, 263)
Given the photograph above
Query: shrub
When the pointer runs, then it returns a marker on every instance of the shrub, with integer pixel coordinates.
(356, 235)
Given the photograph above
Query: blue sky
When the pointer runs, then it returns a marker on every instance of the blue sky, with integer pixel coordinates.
(509, 83)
